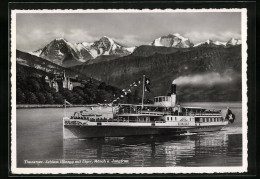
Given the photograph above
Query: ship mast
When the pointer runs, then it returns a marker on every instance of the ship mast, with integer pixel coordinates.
(143, 92)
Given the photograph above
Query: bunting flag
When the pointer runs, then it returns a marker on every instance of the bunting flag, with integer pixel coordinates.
(134, 84)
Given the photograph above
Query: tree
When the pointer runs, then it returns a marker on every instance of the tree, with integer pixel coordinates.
(41, 97)
(79, 91)
(31, 98)
(78, 99)
(33, 85)
(102, 95)
(102, 86)
(49, 98)
(58, 98)
(90, 95)
(20, 96)
(69, 96)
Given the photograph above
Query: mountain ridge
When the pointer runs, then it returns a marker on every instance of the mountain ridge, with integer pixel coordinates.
(163, 68)
(67, 54)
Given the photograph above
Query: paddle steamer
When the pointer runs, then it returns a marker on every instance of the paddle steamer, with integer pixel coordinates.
(163, 117)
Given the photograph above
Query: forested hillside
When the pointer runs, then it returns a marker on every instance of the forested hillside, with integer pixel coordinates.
(31, 88)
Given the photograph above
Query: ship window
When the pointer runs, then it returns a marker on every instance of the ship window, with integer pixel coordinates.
(160, 99)
(201, 119)
(175, 118)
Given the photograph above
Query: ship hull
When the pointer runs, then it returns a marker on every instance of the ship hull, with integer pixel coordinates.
(73, 131)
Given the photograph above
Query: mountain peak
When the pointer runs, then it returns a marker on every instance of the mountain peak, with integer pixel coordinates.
(60, 39)
(233, 42)
(172, 40)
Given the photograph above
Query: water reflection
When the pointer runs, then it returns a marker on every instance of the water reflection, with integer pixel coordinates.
(39, 137)
(215, 149)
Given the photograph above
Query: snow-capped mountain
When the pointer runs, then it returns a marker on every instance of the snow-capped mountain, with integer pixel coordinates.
(172, 40)
(36, 53)
(233, 42)
(107, 46)
(64, 53)
(210, 43)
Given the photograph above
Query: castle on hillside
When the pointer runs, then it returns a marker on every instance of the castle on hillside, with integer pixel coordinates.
(58, 79)
(66, 83)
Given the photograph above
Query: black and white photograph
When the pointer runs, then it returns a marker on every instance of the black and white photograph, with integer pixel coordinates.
(129, 91)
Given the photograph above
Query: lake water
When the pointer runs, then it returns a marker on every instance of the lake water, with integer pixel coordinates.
(40, 144)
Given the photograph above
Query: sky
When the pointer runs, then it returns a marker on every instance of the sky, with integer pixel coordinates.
(34, 30)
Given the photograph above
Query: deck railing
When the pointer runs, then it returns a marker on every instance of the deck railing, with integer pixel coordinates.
(163, 113)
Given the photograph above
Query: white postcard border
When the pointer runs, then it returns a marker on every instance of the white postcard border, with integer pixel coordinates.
(130, 170)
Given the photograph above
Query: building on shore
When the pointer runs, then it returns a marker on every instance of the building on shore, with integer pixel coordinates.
(64, 82)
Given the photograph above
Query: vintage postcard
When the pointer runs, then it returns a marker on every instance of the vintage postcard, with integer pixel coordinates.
(115, 91)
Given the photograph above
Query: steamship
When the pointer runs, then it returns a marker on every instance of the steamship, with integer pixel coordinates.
(163, 117)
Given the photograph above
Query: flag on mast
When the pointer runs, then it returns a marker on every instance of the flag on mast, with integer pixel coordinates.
(147, 83)
(146, 88)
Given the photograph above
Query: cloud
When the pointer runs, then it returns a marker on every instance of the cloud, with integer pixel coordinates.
(129, 40)
(42, 37)
(79, 35)
(196, 36)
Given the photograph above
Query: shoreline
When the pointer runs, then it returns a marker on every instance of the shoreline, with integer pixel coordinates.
(21, 106)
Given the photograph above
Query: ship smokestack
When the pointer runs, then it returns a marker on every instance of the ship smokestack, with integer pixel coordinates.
(173, 94)
(173, 88)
